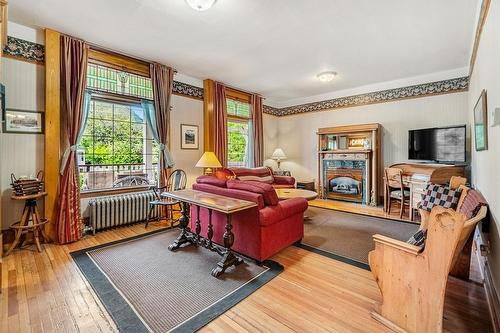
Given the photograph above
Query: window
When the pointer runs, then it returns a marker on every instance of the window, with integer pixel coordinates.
(238, 133)
(117, 149)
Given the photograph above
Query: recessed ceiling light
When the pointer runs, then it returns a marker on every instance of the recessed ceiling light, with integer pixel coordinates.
(326, 76)
(200, 5)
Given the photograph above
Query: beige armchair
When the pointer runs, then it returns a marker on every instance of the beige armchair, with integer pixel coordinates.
(412, 281)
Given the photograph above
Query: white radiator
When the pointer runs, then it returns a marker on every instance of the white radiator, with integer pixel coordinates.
(119, 210)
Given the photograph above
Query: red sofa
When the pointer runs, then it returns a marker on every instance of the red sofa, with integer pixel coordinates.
(259, 232)
(265, 175)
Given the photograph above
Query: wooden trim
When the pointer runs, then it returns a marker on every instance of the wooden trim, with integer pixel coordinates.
(485, 6)
(208, 115)
(238, 95)
(52, 128)
(118, 61)
(492, 298)
(115, 191)
(349, 129)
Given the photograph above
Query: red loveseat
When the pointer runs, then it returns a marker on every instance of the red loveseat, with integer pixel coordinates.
(259, 232)
(264, 175)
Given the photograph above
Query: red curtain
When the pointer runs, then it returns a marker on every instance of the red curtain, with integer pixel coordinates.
(74, 58)
(220, 123)
(162, 79)
(258, 131)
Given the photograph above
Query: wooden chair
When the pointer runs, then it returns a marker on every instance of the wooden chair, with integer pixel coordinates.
(395, 189)
(413, 281)
(176, 181)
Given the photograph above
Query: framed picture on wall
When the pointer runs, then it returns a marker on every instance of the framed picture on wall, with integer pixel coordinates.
(23, 121)
(189, 136)
(481, 123)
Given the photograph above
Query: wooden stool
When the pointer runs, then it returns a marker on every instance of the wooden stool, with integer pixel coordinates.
(30, 222)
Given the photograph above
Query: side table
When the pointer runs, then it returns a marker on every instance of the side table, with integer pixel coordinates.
(30, 222)
(305, 185)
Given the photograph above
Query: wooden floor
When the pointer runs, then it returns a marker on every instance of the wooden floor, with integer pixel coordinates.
(45, 292)
(357, 208)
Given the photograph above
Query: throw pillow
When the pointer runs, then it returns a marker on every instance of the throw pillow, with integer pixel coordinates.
(262, 174)
(472, 203)
(224, 174)
(418, 238)
(438, 195)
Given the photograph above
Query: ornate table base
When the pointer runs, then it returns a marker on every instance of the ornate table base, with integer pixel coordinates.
(188, 237)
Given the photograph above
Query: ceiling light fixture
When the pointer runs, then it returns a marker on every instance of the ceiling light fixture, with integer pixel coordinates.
(200, 5)
(326, 76)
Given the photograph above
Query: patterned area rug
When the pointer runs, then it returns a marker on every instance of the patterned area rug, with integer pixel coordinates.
(347, 236)
(147, 288)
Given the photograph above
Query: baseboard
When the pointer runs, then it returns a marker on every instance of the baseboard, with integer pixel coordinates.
(492, 298)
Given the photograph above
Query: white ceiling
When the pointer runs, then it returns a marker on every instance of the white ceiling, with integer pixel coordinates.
(274, 47)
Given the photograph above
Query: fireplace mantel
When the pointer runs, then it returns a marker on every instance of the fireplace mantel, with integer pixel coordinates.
(349, 163)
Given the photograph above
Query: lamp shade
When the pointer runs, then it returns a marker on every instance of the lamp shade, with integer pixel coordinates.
(278, 154)
(208, 160)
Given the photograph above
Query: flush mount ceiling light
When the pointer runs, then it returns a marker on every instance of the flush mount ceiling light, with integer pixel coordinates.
(200, 5)
(326, 76)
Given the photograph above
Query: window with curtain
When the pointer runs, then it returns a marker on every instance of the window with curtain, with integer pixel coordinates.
(238, 133)
(117, 149)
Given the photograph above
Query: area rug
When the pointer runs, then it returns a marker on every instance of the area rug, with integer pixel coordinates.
(147, 288)
(347, 236)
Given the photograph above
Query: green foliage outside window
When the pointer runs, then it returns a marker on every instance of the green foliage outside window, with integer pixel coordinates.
(237, 142)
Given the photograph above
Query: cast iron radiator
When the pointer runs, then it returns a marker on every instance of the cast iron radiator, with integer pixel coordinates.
(119, 210)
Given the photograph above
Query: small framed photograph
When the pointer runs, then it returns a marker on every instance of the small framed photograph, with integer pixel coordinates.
(189, 136)
(481, 123)
(23, 121)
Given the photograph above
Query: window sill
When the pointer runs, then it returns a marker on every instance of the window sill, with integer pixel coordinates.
(112, 191)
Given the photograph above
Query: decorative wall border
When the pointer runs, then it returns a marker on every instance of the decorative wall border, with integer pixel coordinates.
(33, 52)
(420, 90)
(24, 50)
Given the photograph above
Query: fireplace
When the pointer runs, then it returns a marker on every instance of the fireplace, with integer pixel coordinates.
(346, 177)
(345, 184)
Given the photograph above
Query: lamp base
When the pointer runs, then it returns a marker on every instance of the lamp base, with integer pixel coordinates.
(208, 171)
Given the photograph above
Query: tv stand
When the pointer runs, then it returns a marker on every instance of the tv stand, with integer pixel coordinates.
(416, 176)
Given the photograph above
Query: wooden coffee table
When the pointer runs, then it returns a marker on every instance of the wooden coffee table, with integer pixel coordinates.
(287, 193)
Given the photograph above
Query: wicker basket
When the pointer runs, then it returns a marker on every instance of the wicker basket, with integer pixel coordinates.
(23, 187)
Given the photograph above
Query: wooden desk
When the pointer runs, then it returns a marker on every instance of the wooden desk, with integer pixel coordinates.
(219, 203)
(416, 177)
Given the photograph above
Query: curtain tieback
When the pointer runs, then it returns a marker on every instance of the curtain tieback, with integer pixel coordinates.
(65, 157)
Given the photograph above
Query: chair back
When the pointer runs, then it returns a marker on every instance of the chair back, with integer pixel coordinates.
(176, 181)
(394, 178)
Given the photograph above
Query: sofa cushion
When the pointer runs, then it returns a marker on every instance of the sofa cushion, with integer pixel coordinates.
(211, 181)
(284, 209)
(263, 174)
(232, 193)
(438, 195)
(225, 174)
(268, 193)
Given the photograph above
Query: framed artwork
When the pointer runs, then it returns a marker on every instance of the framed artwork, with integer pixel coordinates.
(481, 123)
(23, 121)
(189, 136)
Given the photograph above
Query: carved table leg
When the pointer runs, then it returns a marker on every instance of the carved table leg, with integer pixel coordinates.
(185, 236)
(198, 224)
(228, 259)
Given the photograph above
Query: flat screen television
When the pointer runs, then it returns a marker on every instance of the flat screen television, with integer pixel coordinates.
(442, 145)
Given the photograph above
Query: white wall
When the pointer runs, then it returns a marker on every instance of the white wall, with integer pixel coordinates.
(485, 164)
(21, 154)
(297, 133)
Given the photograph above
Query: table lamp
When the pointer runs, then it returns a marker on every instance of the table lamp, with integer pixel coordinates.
(278, 156)
(208, 161)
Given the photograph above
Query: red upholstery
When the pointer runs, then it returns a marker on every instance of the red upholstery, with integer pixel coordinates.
(259, 232)
(264, 175)
(211, 181)
(268, 193)
(224, 174)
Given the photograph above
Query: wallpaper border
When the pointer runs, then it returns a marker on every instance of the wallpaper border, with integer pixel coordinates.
(33, 52)
(420, 90)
